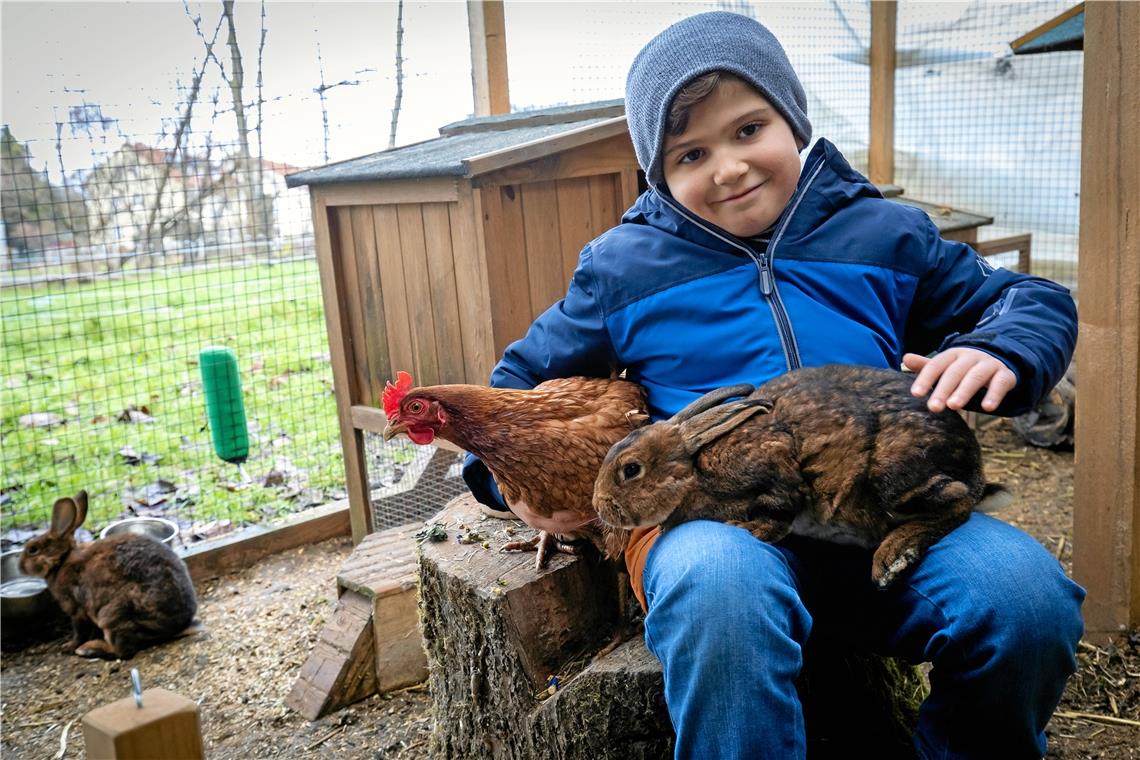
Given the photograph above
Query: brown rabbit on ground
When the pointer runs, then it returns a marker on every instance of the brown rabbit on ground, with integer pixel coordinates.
(123, 593)
(839, 453)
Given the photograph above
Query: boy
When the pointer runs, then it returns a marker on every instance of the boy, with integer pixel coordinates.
(737, 266)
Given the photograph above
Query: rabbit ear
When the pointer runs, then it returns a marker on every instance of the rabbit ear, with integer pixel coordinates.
(715, 423)
(711, 399)
(80, 508)
(65, 516)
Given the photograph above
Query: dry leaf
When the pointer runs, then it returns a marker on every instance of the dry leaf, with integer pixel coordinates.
(41, 420)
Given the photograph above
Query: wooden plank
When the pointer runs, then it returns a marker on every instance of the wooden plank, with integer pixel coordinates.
(881, 151)
(629, 187)
(417, 285)
(237, 551)
(444, 296)
(388, 191)
(590, 135)
(505, 251)
(539, 202)
(472, 291)
(1106, 515)
(487, 28)
(1052, 23)
(605, 201)
(342, 666)
(375, 347)
(575, 224)
(949, 220)
(527, 119)
(340, 352)
(350, 297)
(391, 258)
(1023, 244)
(400, 658)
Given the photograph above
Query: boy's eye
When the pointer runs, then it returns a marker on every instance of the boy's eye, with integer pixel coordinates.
(693, 155)
(748, 130)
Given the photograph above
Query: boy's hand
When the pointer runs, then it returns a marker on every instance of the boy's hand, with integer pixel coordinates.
(959, 374)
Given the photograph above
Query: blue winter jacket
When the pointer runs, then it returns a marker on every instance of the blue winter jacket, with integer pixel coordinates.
(848, 277)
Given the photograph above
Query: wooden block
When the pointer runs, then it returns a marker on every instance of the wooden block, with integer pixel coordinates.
(341, 670)
(166, 727)
(400, 657)
(373, 641)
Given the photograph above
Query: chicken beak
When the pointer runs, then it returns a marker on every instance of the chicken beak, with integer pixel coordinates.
(394, 429)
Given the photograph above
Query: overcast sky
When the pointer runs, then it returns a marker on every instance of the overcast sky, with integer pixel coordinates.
(129, 59)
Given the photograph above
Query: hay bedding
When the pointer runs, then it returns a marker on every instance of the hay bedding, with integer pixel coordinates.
(262, 623)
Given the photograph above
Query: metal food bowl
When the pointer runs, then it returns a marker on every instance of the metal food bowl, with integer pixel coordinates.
(157, 528)
(25, 602)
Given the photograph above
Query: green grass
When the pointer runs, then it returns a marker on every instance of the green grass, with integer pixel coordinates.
(89, 351)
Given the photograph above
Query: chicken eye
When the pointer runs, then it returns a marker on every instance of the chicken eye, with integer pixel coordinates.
(631, 471)
(416, 407)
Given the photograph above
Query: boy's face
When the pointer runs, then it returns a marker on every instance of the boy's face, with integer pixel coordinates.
(737, 163)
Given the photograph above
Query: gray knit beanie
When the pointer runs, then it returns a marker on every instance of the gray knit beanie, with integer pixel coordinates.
(715, 41)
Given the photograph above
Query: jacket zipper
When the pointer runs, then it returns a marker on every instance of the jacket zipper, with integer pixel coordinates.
(764, 269)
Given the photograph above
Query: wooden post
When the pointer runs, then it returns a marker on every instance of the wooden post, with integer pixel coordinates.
(344, 380)
(881, 150)
(486, 25)
(1106, 518)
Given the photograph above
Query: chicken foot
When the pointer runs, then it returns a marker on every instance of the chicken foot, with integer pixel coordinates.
(545, 544)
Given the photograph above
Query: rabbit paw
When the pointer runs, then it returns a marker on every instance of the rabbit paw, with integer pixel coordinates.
(883, 578)
(97, 648)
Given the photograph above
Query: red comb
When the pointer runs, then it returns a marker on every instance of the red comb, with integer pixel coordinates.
(394, 393)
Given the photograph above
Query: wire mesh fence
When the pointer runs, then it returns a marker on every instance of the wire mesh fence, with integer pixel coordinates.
(131, 240)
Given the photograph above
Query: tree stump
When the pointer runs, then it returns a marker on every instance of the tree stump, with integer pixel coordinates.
(498, 634)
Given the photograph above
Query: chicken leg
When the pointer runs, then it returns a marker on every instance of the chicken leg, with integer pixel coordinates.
(545, 544)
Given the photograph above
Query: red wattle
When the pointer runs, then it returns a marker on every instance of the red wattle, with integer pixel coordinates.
(421, 435)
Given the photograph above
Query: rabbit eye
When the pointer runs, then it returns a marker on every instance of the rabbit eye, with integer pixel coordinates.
(31, 551)
(631, 471)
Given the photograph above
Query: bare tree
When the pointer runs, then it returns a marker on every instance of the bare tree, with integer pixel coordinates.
(399, 73)
(250, 171)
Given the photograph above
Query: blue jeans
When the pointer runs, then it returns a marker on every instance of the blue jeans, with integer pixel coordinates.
(988, 607)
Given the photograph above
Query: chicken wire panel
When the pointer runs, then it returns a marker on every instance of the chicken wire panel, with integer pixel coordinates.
(142, 224)
(408, 483)
(977, 128)
(117, 272)
(983, 129)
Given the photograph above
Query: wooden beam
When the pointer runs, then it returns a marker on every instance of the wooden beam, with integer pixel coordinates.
(237, 551)
(881, 151)
(487, 27)
(1106, 515)
(1052, 23)
(547, 146)
(341, 357)
(388, 191)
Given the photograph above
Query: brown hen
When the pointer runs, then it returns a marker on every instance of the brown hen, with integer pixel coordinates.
(544, 446)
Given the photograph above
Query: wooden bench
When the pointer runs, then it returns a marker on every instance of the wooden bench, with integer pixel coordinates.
(1023, 244)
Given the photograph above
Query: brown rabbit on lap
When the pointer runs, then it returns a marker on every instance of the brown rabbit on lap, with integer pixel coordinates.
(839, 453)
(123, 593)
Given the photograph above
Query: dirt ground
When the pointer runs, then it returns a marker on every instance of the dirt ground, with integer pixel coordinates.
(262, 623)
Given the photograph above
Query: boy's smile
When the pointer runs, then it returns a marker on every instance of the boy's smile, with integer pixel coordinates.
(737, 163)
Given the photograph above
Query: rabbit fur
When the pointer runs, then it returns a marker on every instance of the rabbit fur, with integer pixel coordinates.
(841, 453)
(122, 593)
